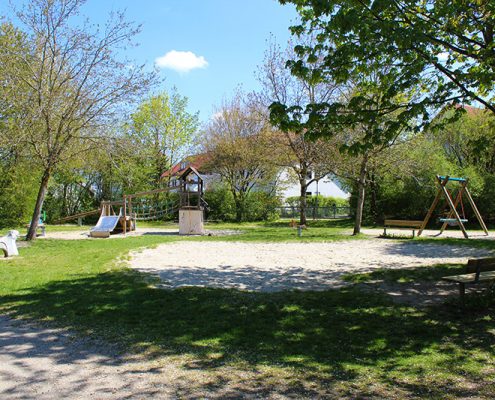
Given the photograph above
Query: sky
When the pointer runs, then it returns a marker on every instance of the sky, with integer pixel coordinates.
(205, 48)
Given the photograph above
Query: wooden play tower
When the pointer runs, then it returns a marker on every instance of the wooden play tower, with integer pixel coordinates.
(191, 212)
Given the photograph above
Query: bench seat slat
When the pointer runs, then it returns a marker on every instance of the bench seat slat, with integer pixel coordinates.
(470, 278)
(399, 222)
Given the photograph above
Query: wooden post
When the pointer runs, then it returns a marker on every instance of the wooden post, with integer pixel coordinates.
(125, 215)
(456, 214)
(130, 214)
(476, 212)
(433, 205)
(456, 203)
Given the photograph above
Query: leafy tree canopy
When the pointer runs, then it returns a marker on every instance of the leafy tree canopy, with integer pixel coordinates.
(418, 54)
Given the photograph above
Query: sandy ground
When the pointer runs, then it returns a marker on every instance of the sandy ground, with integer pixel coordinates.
(280, 266)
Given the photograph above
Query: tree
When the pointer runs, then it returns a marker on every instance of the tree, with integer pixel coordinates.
(309, 160)
(17, 171)
(162, 131)
(444, 46)
(74, 82)
(239, 148)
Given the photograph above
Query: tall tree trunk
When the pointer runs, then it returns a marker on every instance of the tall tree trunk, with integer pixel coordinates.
(302, 200)
(239, 206)
(39, 204)
(361, 193)
(373, 202)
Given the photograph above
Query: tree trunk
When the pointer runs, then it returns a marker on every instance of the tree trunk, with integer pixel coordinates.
(39, 205)
(239, 206)
(361, 192)
(302, 201)
(373, 202)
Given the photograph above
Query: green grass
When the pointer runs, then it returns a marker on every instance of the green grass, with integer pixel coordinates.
(354, 343)
(407, 275)
(317, 231)
(279, 231)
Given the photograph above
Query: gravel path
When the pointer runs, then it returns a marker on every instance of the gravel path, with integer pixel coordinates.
(41, 363)
(279, 266)
(50, 364)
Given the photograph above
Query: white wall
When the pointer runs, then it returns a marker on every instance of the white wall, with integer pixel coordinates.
(325, 187)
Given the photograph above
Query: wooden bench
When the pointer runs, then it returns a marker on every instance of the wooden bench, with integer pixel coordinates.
(401, 224)
(478, 270)
(40, 227)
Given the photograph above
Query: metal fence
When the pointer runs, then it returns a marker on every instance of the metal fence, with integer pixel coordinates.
(332, 212)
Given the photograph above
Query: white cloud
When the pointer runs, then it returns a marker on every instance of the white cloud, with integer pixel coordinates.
(181, 61)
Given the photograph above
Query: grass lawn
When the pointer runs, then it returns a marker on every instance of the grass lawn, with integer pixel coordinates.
(347, 342)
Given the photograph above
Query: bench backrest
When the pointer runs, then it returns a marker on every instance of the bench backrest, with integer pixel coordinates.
(478, 265)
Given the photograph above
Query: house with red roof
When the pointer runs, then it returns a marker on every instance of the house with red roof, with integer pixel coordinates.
(199, 162)
(287, 187)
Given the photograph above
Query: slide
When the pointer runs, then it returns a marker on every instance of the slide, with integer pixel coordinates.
(105, 225)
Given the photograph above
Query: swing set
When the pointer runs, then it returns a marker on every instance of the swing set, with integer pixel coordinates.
(453, 200)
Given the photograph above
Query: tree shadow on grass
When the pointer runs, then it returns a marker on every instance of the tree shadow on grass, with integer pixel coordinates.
(329, 337)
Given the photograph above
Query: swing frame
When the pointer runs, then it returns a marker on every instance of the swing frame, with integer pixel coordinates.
(453, 215)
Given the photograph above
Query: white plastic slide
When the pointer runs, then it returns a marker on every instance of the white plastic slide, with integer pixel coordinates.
(105, 225)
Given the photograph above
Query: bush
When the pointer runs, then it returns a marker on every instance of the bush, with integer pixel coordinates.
(320, 201)
(259, 206)
(220, 204)
(262, 206)
(18, 189)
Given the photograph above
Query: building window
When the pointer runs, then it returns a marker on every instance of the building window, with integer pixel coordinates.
(309, 193)
(309, 175)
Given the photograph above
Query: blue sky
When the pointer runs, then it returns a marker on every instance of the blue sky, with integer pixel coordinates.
(229, 35)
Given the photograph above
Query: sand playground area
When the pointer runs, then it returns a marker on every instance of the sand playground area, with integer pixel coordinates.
(279, 266)
(270, 267)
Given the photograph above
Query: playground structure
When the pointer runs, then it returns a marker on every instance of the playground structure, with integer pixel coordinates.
(110, 222)
(453, 201)
(190, 208)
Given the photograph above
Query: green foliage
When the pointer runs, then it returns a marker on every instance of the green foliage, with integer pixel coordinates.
(318, 201)
(240, 149)
(17, 194)
(259, 205)
(262, 206)
(161, 132)
(442, 48)
(221, 204)
(405, 187)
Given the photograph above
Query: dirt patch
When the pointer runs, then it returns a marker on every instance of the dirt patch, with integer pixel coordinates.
(270, 267)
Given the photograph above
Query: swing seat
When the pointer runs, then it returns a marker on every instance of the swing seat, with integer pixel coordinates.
(452, 221)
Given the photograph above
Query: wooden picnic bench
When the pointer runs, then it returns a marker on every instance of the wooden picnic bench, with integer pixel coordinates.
(401, 224)
(478, 270)
(40, 227)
